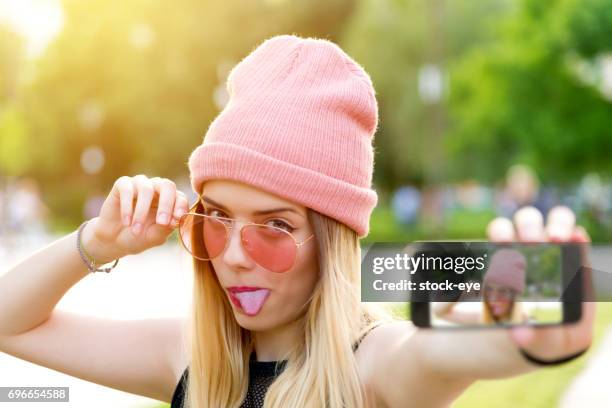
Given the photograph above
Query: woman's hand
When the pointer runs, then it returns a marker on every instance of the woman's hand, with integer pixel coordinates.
(440, 364)
(139, 213)
(549, 343)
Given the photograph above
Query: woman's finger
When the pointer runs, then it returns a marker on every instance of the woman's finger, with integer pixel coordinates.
(145, 190)
(125, 189)
(529, 224)
(556, 342)
(166, 189)
(580, 235)
(181, 206)
(500, 230)
(560, 224)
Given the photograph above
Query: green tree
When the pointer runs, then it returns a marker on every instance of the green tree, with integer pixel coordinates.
(11, 61)
(394, 40)
(537, 94)
(13, 149)
(13, 143)
(13, 132)
(138, 79)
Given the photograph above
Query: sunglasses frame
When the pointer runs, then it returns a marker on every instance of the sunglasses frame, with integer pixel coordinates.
(229, 228)
(506, 293)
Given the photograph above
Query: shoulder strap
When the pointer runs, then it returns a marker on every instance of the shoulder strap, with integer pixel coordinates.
(179, 391)
(358, 342)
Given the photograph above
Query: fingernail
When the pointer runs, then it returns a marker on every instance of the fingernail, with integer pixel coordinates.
(126, 221)
(162, 218)
(179, 214)
(136, 228)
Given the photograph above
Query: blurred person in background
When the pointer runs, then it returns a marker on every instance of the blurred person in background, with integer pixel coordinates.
(406, 202)
(522, 188)
(26, 212)
(93, 204)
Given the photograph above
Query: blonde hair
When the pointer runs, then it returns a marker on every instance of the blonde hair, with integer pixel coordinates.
(321, 371)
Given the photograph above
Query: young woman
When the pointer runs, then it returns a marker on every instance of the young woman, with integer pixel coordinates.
(503, 283)
(284, 184)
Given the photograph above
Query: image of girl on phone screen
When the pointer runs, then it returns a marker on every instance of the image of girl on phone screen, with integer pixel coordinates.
(503, 283)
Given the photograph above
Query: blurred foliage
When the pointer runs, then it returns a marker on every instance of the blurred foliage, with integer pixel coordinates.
(457, 224)
(138, 79)
(394, 40)
(521, 82)
(11, 61)
(544, 266)
(533, 95)
(13, 150)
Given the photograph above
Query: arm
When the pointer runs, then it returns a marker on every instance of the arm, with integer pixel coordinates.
(451, 361)
(448, 312)
(139, 356)
(143, 357)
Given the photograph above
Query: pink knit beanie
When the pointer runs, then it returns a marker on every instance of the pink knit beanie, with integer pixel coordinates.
(299, 123)
(507, 268)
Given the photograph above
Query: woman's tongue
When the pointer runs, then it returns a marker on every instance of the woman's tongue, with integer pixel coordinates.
(252, 301)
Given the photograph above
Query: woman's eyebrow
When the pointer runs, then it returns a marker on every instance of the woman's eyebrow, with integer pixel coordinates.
(260, 212)
(275, 210)
(213, 202)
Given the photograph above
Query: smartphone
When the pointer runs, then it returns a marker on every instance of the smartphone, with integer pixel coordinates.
(479, 284)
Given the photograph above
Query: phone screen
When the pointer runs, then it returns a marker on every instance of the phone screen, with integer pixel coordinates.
(485, 284)
(521, 284)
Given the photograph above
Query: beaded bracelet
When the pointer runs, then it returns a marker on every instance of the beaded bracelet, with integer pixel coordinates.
(89, 261)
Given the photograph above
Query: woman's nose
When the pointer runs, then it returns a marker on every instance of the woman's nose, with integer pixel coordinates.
(235, 256)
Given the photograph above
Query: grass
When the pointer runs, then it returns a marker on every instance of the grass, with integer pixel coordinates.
(543, 388)
(540, 389)
(456, 224)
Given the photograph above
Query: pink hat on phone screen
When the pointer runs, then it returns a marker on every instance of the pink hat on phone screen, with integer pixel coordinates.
(507, 268)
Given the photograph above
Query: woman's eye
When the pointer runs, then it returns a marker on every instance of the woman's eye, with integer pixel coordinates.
(215, 213)
(280, 224)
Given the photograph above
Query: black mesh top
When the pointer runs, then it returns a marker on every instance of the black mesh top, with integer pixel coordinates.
(261, 375)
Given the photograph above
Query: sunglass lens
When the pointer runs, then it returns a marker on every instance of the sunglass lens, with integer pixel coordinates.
(204, 237)
(215, 236)
(272, 248)
(186, 232)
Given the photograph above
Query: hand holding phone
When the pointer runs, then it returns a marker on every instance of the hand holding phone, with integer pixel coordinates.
(551, 343)
(552, 338)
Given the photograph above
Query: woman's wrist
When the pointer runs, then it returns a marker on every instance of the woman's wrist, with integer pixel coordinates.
(558, 361)
(94, 249)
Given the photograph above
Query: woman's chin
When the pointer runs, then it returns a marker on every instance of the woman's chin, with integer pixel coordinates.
(251, 322)
(500, 314)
